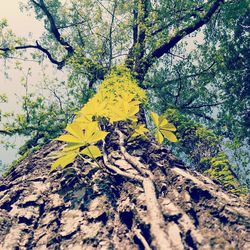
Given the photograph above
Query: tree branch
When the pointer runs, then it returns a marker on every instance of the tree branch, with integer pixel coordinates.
(59, 64)
(53, 27)
(202, 105)
(179, 88)
(163, 83)
(138, 49)
(187, 15)
(203, 116)
(71, 25)
(5, 132)
(110, 34)
(165, 47)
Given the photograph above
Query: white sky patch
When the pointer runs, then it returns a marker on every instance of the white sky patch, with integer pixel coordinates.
(21, 23)
(25, 25)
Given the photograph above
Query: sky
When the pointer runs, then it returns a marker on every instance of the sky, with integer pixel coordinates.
(21, 23)
(24, 25)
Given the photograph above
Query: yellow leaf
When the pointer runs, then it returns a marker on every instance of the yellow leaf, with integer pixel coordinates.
(162, 121)
(155, 118)
(134, 109)
(75, 130)
(92, 151)
(123, 111)
(63, 161)
(163, 128)
(90, 126)
(169, 135)
(95, 107)
(159, 136)
(169, 127)
(69, 138)
(139, 130)
(127, 96)
(84, 118)
(72, 147)
(95, 136)
(83, 134)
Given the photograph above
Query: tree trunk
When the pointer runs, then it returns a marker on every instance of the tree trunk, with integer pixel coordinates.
(89, 206)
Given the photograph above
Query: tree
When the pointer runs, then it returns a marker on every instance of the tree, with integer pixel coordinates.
(150, 35)
(150, 194)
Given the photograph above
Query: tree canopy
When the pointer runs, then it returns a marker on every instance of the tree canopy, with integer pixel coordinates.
(208, 83)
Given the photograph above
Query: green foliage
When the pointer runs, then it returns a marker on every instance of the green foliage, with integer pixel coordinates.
(44, 114)
(203, 148)
(232, 70)
(208, 82)
(219, 169)
(3, 98)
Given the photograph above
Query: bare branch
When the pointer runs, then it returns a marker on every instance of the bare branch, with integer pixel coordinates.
(203, 116)
(181, 57)
(71, 25)
(202, 105)
(5, 132)
(179, 88)
(199, 73)
(59, 64)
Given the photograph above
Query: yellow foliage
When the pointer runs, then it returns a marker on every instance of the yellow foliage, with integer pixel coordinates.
(163, 128)
(117, 99)
(120, 83)
(92, 151)
(82, 136)
(65, 157)
(139, 130)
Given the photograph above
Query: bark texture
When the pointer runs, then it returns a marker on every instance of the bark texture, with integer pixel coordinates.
(85, 207)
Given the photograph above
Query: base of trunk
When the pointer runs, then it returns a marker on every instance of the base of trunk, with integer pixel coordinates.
(84, 207)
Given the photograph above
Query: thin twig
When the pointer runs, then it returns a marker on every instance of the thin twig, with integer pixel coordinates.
(119, 171)
(131, 159)
(142, 239)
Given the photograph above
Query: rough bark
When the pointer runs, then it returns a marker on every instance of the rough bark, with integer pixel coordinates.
(86, 207)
